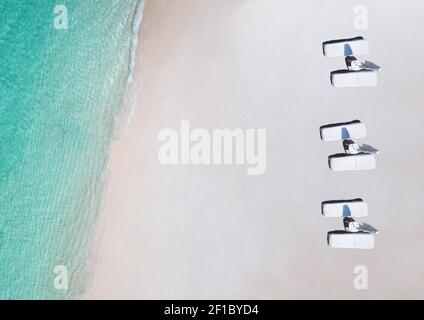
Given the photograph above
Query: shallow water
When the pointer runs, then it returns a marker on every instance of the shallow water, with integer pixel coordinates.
(60, 91)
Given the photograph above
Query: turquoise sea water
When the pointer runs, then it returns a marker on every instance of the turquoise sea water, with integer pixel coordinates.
(60, 91)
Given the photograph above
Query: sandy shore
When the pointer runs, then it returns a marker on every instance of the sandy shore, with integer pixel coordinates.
(214, 232)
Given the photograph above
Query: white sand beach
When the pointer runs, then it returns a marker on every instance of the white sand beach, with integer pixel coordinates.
(205, 231)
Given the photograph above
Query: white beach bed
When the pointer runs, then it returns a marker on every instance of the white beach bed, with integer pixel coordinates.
(344, 130)
(350, 240)
(352, 79)
(351, 162)
(345, 47)
(344, 208)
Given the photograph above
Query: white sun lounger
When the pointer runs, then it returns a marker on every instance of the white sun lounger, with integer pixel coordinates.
(352, 79)
(346, 47)
(351, 162)
(344, 130)
(344, 208)
(350, 240)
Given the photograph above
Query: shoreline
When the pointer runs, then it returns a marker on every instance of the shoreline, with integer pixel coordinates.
(61, 96)
(198, 232)
(121, 126)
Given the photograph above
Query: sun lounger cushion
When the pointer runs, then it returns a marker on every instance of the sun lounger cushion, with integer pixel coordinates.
(351, 79)
(351, 162)
(346, 47)
(342, 131)
(350, 240)
(344, 208)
